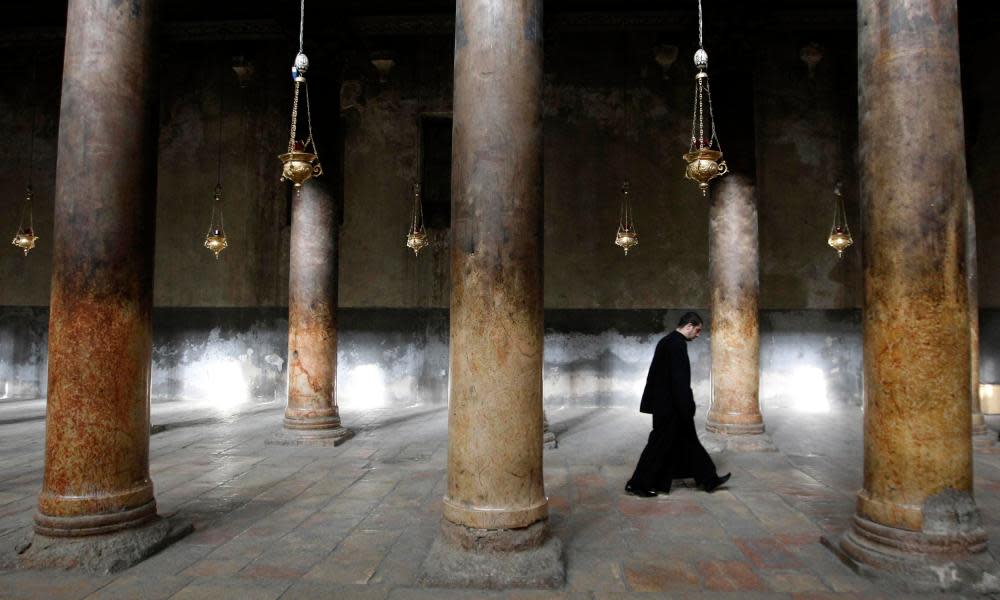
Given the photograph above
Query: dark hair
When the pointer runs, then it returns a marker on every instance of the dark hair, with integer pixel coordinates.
(689, 318)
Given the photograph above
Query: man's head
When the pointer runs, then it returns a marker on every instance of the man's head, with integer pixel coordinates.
(690, 325)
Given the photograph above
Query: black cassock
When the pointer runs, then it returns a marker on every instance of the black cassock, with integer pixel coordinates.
(673, 450)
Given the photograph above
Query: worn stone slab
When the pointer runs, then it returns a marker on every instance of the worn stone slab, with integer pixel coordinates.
(310, 437)
(102, 554)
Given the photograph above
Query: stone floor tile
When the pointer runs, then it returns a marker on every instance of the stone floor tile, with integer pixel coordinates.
(132, 586)
(767, 553)
(54, 585)
(730, 575)
(667, 576)
(231, 589)
(792, 581)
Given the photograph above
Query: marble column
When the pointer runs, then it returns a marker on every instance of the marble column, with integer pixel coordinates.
(311, 416)
(96, 487)
(495, 527)
(734, 267)
(916, 516)
(979, 430)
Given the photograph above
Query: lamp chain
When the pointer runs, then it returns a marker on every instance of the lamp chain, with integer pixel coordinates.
(700, 27)
(302, 22)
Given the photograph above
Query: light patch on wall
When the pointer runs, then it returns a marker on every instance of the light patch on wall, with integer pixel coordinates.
(808, 390)
(218, 382)
(363, 387)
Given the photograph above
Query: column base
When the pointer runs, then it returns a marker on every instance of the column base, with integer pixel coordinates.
(734, 428)
(494, 558)
(549, 440)
(985, 443)
(731, 442)
(918, 561)
(310, 437)
(102, 554)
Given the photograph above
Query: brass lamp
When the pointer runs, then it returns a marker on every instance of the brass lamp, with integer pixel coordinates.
(627, 237)
(299, 163)
(840, 234)
(416, 237)
(215, 239)
(704, 157)
(25, 237)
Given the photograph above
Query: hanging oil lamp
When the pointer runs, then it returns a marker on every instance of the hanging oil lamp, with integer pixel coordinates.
(704, 157)
(215, 239)
(416, 237)
(627, 237)
(301, 161)
(840, 235)
(25, 237)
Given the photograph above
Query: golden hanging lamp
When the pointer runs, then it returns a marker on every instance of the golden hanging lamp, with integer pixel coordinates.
(416, 237)
(627, 237)
(704, 157)
(840, 234)
(300, 163)
(215, 239)
(25, 237)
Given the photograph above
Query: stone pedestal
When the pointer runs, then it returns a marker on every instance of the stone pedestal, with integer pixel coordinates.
(734, 267)
(312, 416)
(96, 485)
(916, 517)
(495, 531)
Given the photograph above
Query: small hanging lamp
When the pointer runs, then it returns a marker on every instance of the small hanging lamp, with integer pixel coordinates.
(704, 157)
(627, 237)
(25, 237)
(416, 237)
(840, 235)
(300, 163)
(215, 239)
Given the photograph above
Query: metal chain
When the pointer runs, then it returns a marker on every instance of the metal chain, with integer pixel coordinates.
(302, 22)
(309, 123)
(295, 113)
(701, 113)
(700, 26)
(694, 119)
(711, 116)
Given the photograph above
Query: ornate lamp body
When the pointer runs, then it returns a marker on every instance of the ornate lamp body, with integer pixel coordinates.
(704, 161)
(299, 165)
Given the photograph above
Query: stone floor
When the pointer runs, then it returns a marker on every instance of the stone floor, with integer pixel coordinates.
(355, 521)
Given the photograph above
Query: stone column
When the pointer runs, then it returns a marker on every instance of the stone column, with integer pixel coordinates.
(495, 527)
(916, 516)
(311, 415)
(982, 438)
(100, 326)
(734, 267)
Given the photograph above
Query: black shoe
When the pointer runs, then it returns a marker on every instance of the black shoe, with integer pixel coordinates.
(638, 492)
(714, 484)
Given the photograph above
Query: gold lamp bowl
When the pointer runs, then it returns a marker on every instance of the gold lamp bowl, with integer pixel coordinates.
(216, 243)
(704, 165)
(626, 240)
(417, 241)
(25, 240)
(840, 240)
(299, 167)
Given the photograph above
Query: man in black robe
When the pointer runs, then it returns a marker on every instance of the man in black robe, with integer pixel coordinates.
(673, 450)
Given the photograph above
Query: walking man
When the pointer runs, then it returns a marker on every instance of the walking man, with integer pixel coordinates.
(673, 450)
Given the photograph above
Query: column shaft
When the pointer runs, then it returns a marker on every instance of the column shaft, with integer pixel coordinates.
(917, 494)
(972, 277)
(495, 395)
(734, 267)
(100, 329)
(312, 313)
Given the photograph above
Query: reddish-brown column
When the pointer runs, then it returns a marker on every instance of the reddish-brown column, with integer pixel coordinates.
(972, 277)
(495, 507)
(916, 509)
(100, 328)
(312, 414)
(734, 267)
